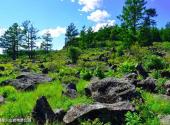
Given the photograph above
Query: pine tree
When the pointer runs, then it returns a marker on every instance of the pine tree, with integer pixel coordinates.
(11, 40)
(132, 18)
(47, 42)
(71, 34)
(30, 38)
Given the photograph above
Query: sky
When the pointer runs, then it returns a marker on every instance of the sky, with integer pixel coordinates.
(55, 15)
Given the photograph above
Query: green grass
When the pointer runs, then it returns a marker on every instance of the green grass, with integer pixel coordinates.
(157, 103)
(20, 104)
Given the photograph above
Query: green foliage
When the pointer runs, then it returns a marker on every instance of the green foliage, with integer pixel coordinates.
(69, 79)
(95, 122)
(131, 20)
(99, 73)
(157, 103)
(127, 66)
(86, 74)
(133, 119)
(74, 54)
(154, 62)
(20, 104)
(70, 36)
(47, 43)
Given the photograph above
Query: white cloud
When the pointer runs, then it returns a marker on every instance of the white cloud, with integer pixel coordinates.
(55, 32)
(2, 31)
(98, 15)
(103, 24)
(89, 5)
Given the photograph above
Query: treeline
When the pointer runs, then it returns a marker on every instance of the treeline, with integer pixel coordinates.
(23, 38)
(137, 27)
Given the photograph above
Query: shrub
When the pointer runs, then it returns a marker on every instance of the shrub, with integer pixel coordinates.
(95, 122)
(132, 119)
(69, 79)
(99, 73)
(86, 74)
(154, 62)
(127, 66)
(74, 53)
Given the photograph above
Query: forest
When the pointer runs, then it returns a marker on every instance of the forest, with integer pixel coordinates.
(118, 75)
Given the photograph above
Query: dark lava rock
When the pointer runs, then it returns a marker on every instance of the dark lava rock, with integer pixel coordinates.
(147, 84)
(41, 66)
(27, 81)
(6, 82)
(71, 90)
(25, 70)
(131, 76)
(142, 71)
(42, 112)
(165, 74)
(2, 100)
(113, 113)
(45, 71)
(70, 93)
(71, 86)
(59, 114)
(110, 90)
(2, 68)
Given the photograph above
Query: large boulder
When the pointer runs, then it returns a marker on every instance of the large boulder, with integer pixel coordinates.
(27, 81)
(148, 84)
(113, 113)
(45, 71)
(110, 90)
(42, 112)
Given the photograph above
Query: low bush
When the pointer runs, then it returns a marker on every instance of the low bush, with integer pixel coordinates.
(74, 53)
(127, 66)
(94, 122)
(154, 62)
(86, 74)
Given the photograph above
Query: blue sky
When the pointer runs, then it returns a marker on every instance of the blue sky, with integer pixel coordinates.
(56, 15)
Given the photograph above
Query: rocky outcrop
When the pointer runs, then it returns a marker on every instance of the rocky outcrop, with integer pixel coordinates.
(27, 81)
(111, 90)
(42, 112)
(148, 84)
(106, 112)
(140, 69)
(71, 91)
